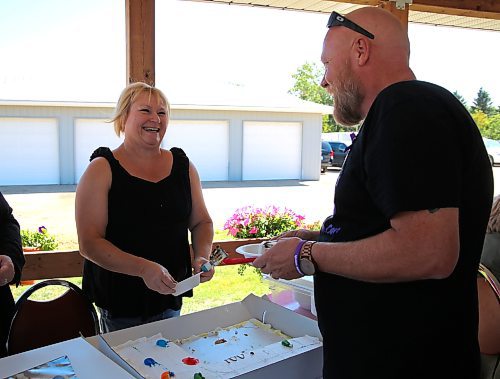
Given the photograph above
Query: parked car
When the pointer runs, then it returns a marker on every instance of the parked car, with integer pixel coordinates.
(339, 153)
(326, 156)
(493, 149)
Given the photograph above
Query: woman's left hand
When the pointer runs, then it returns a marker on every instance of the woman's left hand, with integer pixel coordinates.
(205, 276)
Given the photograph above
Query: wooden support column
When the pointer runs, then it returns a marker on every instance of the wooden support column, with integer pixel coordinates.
(401, 14)
(140, 29)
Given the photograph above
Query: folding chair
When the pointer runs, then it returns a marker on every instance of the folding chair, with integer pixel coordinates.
(41, 323)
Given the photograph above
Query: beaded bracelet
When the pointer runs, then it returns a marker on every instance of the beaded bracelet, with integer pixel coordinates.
(296, 256)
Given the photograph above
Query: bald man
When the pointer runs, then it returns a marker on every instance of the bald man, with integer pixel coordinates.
(395, 265)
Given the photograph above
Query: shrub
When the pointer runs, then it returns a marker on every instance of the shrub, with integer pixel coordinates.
(250, 222)
(40, 239)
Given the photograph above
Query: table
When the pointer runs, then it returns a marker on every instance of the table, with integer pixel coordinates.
(286, 299)
(88, 362)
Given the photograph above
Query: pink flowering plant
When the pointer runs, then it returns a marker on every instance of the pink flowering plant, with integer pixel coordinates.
(252, 222)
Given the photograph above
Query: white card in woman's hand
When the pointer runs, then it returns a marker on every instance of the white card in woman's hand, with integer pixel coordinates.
(187, 284)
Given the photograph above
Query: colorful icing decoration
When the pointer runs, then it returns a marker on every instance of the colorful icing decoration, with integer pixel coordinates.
(286, 343)
(162, 343)
(190, 361)
(165, 375)
(198, 376)
(150, 362)
(220, 340)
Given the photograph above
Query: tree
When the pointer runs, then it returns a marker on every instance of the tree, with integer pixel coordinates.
(483, 103)
(482, 121)
(461, 98)
(307, 87)
(492, 129)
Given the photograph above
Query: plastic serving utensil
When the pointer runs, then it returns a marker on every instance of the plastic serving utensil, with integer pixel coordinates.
(237, 261)
(216, 257)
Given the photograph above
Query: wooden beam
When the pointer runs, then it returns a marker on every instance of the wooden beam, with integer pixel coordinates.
(483, 6)
(469, 8)
(140, 29)
(401, 14)
(69, 264)
(53, 264)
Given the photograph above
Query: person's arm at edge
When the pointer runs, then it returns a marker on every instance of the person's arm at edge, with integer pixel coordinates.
(10, 239)
(200, 224)
(419, 245)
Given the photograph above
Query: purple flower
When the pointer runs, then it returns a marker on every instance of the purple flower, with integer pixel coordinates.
(42, 229)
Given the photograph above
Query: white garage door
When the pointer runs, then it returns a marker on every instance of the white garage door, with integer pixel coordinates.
(29, 151)
(272, 150)
(206, 143)
(89, 135)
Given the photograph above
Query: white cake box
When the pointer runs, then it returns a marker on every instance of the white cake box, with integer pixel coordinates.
(307, 364)
(303, 290)
(86, 361)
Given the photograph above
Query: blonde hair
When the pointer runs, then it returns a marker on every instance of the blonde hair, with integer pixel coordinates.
(128, 96)
(494, 223)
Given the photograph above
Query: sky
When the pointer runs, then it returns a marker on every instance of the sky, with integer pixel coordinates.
(74, 50)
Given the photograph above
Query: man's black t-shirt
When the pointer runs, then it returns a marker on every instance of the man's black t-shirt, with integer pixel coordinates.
(418, 149)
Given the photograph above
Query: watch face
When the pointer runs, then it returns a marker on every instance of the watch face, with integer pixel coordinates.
(307, 267)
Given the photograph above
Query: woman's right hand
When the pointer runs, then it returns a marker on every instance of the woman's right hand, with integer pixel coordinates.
(157, 278)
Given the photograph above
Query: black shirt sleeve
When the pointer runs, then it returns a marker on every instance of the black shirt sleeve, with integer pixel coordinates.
(10, 238)
(413, 160)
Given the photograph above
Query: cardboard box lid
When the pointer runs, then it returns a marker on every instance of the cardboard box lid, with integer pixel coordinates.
(304, 285)
(308, 364)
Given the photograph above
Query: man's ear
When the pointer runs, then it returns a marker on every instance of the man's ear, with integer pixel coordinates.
(361, 50)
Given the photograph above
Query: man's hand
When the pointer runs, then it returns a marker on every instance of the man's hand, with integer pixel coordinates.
(305, 234)
(279, 260)
(7, 270)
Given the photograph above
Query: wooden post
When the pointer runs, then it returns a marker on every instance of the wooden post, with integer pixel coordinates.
(401, 14)
(140, 29)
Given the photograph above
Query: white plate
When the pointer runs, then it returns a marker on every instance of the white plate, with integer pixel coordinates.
(252, 250)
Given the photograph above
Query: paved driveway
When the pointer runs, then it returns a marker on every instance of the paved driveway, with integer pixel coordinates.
(53, 206)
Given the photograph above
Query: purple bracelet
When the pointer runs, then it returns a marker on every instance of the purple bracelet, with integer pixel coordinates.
(296, 256)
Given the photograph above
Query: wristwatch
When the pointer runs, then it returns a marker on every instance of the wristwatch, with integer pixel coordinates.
(306, 261)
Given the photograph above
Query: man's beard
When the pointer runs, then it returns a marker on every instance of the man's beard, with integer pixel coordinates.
(347, 98)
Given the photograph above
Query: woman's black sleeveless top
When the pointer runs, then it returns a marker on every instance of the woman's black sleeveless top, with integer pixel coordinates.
(148, 220)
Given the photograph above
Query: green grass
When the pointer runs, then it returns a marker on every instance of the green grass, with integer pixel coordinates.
(46, 292)
(227, 286)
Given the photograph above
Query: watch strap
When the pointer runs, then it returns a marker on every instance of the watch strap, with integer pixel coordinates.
(306, 253)
(296, 256)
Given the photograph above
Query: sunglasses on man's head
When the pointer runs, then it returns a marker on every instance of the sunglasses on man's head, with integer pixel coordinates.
(339, 20)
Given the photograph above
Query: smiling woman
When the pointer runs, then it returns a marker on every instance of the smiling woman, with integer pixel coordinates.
(134, 208)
